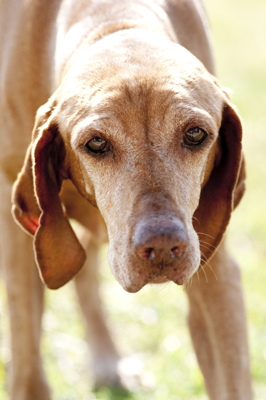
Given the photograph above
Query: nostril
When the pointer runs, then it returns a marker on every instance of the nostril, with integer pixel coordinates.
(177, 251)
(146, 253)
(150, 253)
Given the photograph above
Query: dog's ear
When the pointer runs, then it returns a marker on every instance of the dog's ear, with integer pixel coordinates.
(37, 206)
(25, 209)
(240, 185)
(225, 187)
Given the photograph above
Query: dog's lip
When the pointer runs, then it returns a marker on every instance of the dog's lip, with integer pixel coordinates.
(177, 275)
(160, 279)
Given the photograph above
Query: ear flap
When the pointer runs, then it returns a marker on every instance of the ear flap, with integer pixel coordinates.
(240, 185)
(225, 187)
(58, 253)
(25, 209)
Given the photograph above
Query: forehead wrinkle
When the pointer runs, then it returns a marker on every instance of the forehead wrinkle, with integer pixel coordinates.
(133, 106)
(125, 108)
(137, 103)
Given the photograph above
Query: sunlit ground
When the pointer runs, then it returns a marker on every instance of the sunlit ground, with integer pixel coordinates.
(150, 326)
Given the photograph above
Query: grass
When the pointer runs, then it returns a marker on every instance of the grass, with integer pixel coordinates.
(150, 326)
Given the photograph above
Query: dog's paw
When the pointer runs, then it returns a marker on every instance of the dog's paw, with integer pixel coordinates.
(133, 375)
(105, 372)
(127, 373)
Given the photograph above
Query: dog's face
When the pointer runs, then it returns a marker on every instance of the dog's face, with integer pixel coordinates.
(137, 125)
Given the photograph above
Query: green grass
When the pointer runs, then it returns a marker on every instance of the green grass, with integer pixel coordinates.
(151, 324)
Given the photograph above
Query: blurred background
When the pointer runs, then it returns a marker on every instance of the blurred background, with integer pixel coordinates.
(150, 327)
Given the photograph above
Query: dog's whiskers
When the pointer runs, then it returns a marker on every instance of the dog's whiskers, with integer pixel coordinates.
(196, 219)
(206, 261)
(198, 276)
(202, 267)
(212, 251)
(202, 233)
(188, 284)
(209, 244)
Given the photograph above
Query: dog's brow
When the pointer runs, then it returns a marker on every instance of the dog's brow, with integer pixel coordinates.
(81, 130)
(189, 112)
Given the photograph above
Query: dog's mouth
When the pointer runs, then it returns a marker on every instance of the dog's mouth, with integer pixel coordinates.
(142, 274)
(179, 275)
(135, 286)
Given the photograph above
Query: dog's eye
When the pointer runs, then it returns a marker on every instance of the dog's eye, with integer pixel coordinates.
(194, 137)
(97, 145)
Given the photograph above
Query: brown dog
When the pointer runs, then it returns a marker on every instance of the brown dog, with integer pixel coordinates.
(135, 124)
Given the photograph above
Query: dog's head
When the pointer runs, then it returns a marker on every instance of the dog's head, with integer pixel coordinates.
(148, 136)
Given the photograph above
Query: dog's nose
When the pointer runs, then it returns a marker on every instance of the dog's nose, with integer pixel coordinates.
(159, 238)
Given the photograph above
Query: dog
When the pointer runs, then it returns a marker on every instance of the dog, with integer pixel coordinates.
(135, 139)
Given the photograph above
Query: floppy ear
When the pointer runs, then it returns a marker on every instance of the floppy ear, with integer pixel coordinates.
(37, 206)
(225, 187)
(25, 209)
(240, 185)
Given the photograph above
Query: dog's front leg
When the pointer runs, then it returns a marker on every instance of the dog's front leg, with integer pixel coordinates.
(217, 323)
(25, 301)
(104, 354)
